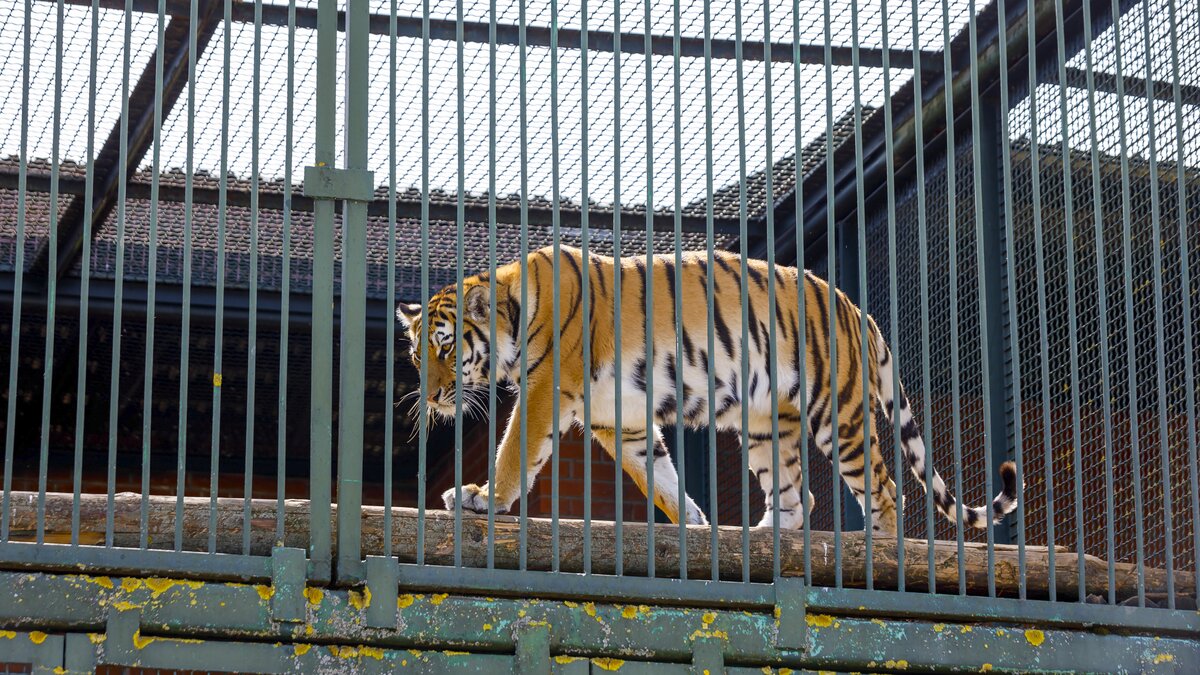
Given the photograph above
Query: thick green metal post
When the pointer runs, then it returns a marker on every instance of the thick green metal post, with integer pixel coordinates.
(354, 297)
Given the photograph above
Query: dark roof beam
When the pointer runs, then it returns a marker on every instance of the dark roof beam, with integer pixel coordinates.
(1134, 86)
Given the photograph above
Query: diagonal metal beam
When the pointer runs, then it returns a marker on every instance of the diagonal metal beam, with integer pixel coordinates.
(1134, 86)
(141, 136)
(276, 14)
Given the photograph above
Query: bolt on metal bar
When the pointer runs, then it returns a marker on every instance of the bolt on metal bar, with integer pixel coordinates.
(977, 172)
(1072, 318)
(85, 283)
(653, 438)
(680, 398)
(186, 318)
(1013, 323)
(832, 303)
(321, 401)
(1102, 305)
(52, 285)
(893, 306)
(1035, 173)
(122, 180)
(618, 277)
(1159, 336)
(252, 323)
(864, 328)
(744, 288)
(1185, 285)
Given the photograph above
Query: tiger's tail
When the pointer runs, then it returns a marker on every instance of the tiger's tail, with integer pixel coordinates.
(915, 454)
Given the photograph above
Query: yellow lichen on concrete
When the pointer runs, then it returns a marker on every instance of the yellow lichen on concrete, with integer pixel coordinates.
(719, 634)
(301, 649)
(487, 626)
(313, 595)
(564, 659)
(1035, 637)
(371, 652)
(130, 584)
(59, 670)
(360, 601)
(141, 642)
(439, 598)
(8, 634)
(629, 611)
(590, 609)
(521, 614)
(896, 665)
(568, 603)
(880, 623)
(37, 637)
(818, 620)
(264, 592)
(605, 663)
(965, 629)
(1164, 658)
(103, 582)
(159, 585)
(939, 627)
(454, 653)
(404, 600)
(97, 638)
(985, 668)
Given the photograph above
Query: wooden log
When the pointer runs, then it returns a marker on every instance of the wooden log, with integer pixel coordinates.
(439, 545)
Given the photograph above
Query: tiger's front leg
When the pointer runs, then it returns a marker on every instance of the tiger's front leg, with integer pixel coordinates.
(538, 433)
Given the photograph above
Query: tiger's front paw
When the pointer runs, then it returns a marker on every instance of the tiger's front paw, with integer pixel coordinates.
(474, 498)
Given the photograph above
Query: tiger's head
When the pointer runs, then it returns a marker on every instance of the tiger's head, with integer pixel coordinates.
(441, 353)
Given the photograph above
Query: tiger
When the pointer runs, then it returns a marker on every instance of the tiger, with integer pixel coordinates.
(801, 398)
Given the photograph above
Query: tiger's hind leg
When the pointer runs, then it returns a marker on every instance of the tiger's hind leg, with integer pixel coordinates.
(852, 461)
(666, 480)
(791, 507)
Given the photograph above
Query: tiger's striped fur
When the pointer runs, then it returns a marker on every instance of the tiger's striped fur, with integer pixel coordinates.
(634, 371)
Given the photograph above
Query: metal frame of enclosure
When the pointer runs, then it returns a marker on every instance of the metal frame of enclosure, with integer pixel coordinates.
(209, 459)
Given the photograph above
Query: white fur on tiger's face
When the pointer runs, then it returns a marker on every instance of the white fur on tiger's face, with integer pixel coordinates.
(802, 398)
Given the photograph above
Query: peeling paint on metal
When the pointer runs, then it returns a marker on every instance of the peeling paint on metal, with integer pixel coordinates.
(605, 663)
(1035, 637)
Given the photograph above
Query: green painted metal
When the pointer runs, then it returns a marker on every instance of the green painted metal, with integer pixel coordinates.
(383, 577)
(288, 568)
(533, 649)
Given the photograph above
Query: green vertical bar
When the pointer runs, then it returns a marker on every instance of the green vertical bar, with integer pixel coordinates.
(285, 287)
(1072, 319)
(354, 297)
(185, 336)
(1011, 273)
(1130, 351)
(586, 290)
(743, 285)
(252, 328)
(219, 330)
(894, 312)
(14, 353)
(321, 403)
(709, 291)
(680, 363)
(389, 424)
(1102, 301)
(151, 276)
(864, 328)
(118, 284)
(460, 273)
(423, 335)
(556, 294)
(523, 396)
(52, 277)
(652, 438)
(831, 261)
(981, 267)
(772, 339)
(1185, 292)
(1036, 197)
(492, 361)
(85, 277)
(618, 276)
(801, 295)
(923, 282)
(1159, 331)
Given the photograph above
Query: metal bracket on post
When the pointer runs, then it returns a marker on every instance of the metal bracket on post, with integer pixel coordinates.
(288, 567)
(791, 594)
(708, 657)
(533, 650)
(327, 182)
(122, 634)
(383, 582)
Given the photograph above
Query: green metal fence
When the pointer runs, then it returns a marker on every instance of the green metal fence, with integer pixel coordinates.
(210, 211)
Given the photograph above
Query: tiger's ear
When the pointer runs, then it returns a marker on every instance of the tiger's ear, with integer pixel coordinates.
(476, 302)
(407, 314)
